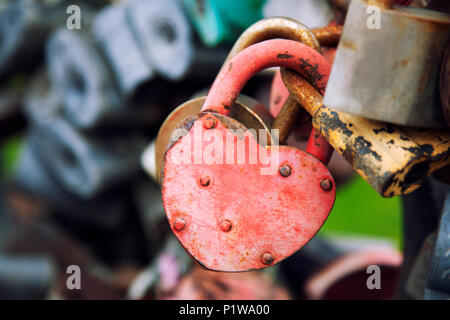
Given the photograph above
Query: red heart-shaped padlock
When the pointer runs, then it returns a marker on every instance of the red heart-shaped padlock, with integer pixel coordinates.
(232, 217)
(235, 203)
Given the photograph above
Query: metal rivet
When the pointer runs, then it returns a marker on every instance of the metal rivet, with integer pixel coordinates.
(285, 171)
(226, 225)
(209, 123)
(205, 181)
(179, 224)
(267, 258)
(326, 184)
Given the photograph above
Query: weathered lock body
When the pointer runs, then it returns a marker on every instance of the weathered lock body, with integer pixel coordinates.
(394, 159)
(113, 32)
(390, 73)
(246, 214)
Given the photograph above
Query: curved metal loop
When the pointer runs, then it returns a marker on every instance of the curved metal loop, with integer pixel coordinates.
(271, 28)
(270, 53)
(287, 28)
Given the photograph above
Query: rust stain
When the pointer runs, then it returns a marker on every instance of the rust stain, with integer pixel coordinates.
(313, 72)
(348, 44)
(425, 148)
(332, 122)
(284, 56)
(422, 82)
(389, 129)
(277, 99)
(364, 147)
(402, 63)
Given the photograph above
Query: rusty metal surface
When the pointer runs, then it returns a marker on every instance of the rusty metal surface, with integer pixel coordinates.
(276, 52)
(286, 28)
(286, 121)
(278, 98)
(269, 53)
(246, 110)
(289, 29)
(435, 143)
(383, 154)
(267, 224)
(390, 74)
(328, 36)
(271, 28)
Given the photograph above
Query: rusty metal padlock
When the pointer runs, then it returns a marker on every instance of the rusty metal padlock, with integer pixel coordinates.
(390, 71)
(235, 216)
(394, 160)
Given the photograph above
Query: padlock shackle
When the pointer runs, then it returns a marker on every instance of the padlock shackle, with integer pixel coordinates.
(319, 147)
(270, 53)
(271, 28)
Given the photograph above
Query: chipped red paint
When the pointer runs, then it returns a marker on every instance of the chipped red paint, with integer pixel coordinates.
(270, 53)
(318, 147)
(267, 217)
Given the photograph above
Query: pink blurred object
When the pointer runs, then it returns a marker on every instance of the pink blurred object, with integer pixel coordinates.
(346, 277)
(169, 271)
(201, 284)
